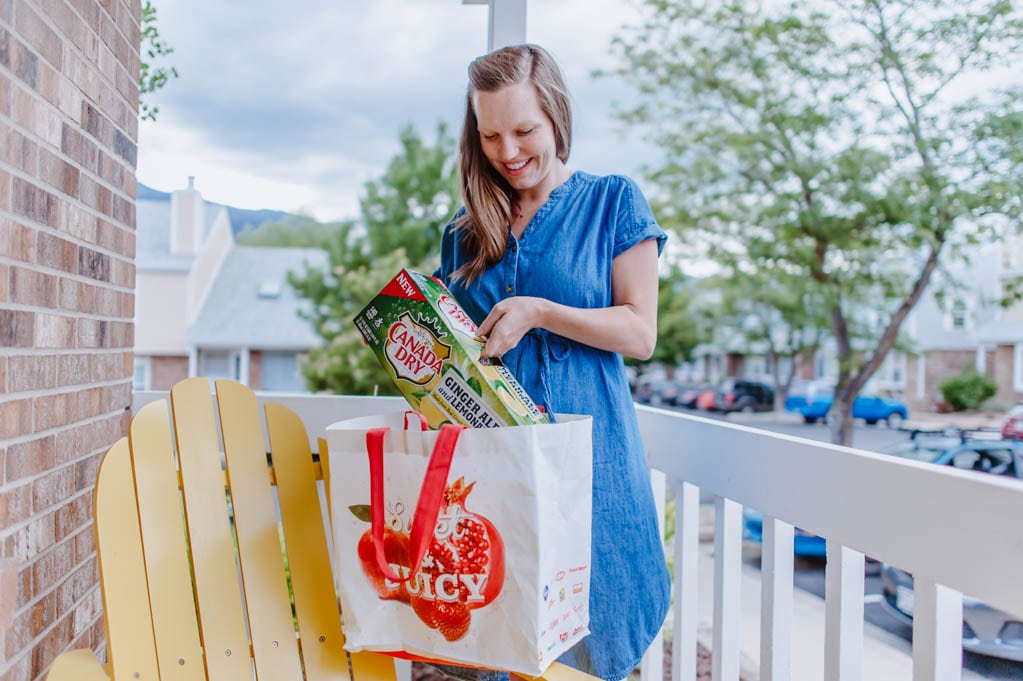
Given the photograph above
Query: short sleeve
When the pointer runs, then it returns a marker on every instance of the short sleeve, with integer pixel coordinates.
(636, 221)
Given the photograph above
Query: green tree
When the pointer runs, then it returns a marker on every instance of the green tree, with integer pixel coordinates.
(678, 328)
(831, 140)
(403, 217)
(778, 313)
(152, 77)
(294, 232)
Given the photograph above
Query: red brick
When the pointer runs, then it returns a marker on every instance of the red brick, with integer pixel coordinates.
(76, 295)
(77, 586)
(86, 471)
(16, 240)
(15, 419)
(34, 202)
(73, 516)
(5, 204)
(32, 372)
(33, 288)
(6, 93)
(29, 458)
(56, 253)
(3, 375)
(15, 505)
(51, 565)
(85, 550)
(51, 411)
(8, 591)
(20, 670)
(73, 369)
(40, 37)
(5, 275)
(54, 642)
(54, 331)
(17, 328)
(51, 489)
(22, 152)
(71, 442)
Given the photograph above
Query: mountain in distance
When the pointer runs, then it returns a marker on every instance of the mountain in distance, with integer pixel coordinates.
(241, 218)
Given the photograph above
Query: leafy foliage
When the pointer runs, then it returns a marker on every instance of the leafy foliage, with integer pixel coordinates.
(967, 390)
(678, 328)
(151, 76)
(825, 141)
(403, 216)
(293, 232)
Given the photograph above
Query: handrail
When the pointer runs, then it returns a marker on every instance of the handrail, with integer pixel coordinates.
(932, 521)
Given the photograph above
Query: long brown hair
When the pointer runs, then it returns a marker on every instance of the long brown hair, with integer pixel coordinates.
(487, 195)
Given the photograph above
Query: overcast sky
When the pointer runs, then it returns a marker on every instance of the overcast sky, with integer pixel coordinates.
(295, 105)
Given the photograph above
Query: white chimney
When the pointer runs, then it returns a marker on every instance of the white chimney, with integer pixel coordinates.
(187, 220)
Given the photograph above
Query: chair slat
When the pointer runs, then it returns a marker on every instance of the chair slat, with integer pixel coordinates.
(164, 543)
(130, 644)
(274, 643)
(316, 605)
(217, 587)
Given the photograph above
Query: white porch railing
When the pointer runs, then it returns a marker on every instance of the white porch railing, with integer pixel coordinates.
(955, 531)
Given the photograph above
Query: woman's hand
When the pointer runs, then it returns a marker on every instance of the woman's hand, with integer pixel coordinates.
(510, 320)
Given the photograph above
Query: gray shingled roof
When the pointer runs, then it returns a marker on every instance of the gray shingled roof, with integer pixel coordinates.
(235, 314)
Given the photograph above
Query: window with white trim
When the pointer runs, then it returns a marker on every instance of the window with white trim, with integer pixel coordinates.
(957, 316)
(143, 379)
(219, 364)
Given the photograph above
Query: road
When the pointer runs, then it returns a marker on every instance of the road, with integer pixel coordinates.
(809, 573)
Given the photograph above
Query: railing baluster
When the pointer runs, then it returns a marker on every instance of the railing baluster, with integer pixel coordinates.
(651, 667)
(686, 588)
(843, 614)
(776, 601)
(937, 632)
(727, 587)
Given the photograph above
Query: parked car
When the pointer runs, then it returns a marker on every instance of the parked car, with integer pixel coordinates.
(1012, 425)
(690, 394)
(870, 408)
(802, 392)
(803, 543)
(986, 630)
(736, 394)
(657, 391)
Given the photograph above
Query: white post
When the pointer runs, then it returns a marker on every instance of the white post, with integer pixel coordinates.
(506, 24)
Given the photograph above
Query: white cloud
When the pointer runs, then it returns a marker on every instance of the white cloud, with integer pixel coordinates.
(296, 105)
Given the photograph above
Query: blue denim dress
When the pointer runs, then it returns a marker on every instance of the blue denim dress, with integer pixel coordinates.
(565, 255)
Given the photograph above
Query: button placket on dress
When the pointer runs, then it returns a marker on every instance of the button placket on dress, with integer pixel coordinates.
(512, 269)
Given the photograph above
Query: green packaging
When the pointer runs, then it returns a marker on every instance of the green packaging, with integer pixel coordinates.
(431, 349)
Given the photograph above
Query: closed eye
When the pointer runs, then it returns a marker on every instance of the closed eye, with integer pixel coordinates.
(523, 133)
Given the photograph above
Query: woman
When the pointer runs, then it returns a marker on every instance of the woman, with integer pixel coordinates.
(559, 269)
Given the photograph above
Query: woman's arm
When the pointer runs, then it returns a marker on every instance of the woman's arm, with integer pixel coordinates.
(628, 327)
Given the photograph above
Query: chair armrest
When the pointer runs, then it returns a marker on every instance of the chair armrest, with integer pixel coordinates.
(77, 665)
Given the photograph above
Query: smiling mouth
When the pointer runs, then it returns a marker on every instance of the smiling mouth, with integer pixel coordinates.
(514, 167)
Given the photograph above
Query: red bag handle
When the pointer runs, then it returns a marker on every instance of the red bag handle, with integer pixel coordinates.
(430, 496)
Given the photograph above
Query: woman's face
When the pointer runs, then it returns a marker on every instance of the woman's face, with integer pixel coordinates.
(518, 138)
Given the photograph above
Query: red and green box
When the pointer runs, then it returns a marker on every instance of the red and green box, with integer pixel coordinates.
(431, 349)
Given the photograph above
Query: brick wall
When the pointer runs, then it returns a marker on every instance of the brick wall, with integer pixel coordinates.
(68, 131)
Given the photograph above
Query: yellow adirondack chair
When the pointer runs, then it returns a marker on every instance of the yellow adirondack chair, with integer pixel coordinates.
(196, 555)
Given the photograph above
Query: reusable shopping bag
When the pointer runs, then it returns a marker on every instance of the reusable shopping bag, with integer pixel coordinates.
(465, 546)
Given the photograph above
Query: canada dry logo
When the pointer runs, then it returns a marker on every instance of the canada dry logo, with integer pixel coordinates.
(415, 354)
(456, 316)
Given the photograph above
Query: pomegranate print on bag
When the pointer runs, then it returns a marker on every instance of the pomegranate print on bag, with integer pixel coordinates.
(463, 568)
